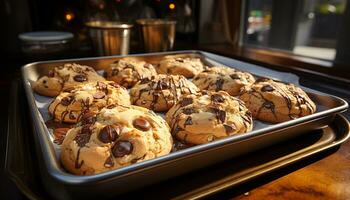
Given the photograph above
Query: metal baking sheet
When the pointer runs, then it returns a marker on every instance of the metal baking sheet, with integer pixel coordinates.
(128, 178)
(21, 164)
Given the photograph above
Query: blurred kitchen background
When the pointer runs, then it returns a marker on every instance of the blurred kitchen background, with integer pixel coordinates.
(311, 30)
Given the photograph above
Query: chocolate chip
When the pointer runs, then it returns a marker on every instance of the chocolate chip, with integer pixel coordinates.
(267, 88)
(141, 124)
(188, 121)
(219, 83)
(99, 95)
(268, 104)
(80, 78)
(188, 111)
(220, 114)
(84, 135)
(217, 98)
(262, 80)
(115, 71)
(51, 73)
(122, 148)
(234, 76)
(111, 106)
(186, 101)
(114, 85)
(145, 80)
(109, 133)
(101, 86)
(88, 118)
(109, 162)
(164, 85)
(229, 128)
(66, 100)
(44, 81)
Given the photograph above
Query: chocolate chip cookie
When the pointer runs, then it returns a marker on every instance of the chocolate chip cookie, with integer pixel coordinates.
(89, 98)
(65, 77)
(203, 117)
(274, 101)
(162, 92)
(187, 67)
(127, 72)
(223, 78)
(118, 136)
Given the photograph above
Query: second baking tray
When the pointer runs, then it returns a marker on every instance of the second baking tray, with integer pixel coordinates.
(64, 185)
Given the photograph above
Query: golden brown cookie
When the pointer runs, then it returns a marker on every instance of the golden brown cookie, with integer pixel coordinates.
(273, 101)
(65, 77)
(223, 78)
(187, 67)
(118, 136)
(206, 116)
(89, 98)
(162, 92)
(127, 72)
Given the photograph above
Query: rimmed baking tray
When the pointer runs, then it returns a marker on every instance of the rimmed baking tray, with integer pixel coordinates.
(21, 162)
(64, 185)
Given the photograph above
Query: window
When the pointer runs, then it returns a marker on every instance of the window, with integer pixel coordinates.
(303, 27)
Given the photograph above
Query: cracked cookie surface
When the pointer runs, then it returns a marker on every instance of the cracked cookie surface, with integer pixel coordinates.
(206, 116)
(274, 101)
(223, 78)
(187, 67)
(127, 72)
(89, 98)
(118, 136)
(65, 77)
(162, 92)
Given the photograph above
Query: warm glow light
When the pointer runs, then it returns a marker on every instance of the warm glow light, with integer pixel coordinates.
(172, 6)
(69, 16)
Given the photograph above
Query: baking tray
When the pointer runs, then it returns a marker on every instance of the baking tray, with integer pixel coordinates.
(281, 158)
(64, 185)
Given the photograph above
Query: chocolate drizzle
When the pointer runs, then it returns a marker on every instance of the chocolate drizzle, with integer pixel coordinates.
(217, 98)
(219, 83)
(157, 86)
(78, 165)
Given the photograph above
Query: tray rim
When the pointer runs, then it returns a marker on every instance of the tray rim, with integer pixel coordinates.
(51, 160)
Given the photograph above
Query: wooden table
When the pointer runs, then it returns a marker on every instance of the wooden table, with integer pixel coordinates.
(328, 178)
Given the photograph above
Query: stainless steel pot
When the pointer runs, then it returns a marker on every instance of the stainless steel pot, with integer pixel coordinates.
(109, 37)
(157, 34)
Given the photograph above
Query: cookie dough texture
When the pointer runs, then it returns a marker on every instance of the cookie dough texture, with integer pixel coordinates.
(223, 78)
(127, 72)
(118, 136)
(274, 101)
(187, 67)
(207, 116)
(162, 92)
(65, 77)
(89, 98)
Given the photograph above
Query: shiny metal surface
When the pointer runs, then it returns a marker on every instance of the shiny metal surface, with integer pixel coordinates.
(157, 34)
(127, 178)
(110, 38)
